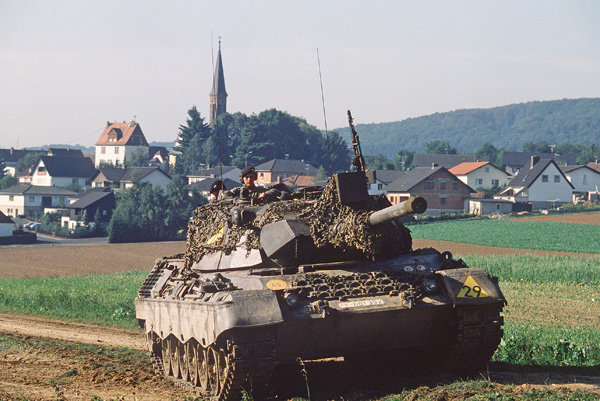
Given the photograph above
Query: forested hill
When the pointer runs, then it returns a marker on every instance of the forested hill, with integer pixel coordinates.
(575, 121)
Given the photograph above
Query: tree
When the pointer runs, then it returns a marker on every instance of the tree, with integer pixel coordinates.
(379, 162)
(28, 160)
(180, 205)
(487, 153)
(439, 147)
(139, 216)
(8, 181)
(536, 147)
(194, 125)
(139, 157)
(404, 160)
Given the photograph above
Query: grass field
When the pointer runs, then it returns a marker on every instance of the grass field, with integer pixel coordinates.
(553, 315)
(546, 236)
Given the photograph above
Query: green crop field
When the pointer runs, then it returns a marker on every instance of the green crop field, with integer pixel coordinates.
(546, 236)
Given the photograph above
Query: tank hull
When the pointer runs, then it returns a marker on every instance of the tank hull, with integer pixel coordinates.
(345, 310)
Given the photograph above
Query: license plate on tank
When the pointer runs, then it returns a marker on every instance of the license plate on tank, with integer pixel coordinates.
(357, 304)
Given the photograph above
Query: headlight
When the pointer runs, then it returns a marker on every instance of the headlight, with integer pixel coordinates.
(291, 299)
(430, 286)
(408, 269)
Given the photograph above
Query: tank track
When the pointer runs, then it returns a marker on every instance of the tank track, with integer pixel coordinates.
(478, 337)
(249, 367)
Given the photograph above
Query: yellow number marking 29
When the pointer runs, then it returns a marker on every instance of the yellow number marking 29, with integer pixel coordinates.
(471, 289)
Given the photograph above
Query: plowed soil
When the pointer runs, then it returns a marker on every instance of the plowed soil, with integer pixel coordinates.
(41, 370)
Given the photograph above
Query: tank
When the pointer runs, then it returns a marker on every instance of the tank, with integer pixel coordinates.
(329, 272)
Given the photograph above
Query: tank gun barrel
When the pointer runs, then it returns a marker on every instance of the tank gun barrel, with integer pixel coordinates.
(413, 205)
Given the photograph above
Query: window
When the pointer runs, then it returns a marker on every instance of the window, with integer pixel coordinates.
(11, 198)
(102, 150)
(443, 185)
(544, 178)
(380, 186)
(428, 184)
(443, 201)
(455, 186)
(487, 169)
(495, 183)
(557, 178)
(479, 181)
(497, 206)
(31, 198)
(116, 150)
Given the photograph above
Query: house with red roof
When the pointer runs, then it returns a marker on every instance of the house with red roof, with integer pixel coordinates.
(118, 142)
(481, 174)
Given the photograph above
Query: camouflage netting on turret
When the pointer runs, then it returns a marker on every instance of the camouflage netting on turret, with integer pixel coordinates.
(211, 228)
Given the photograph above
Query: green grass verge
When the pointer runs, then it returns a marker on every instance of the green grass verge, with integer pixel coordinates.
(539, 269)
(565, 237)
(541, 325)
(100, 299)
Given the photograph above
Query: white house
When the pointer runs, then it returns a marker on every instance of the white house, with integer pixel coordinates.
(383, 178)
(481, 207)
(221, 173)
(481, 174)
(62, 171)
(118, 142)
(6, 226)
(583, 178)
(29, 199)
(540, 183)
(125, 177)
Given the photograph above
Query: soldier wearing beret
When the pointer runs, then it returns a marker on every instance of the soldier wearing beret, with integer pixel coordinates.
(250, 190)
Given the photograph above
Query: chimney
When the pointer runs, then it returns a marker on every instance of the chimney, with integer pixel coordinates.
(534, 160)
(107, 123)
(434, 165)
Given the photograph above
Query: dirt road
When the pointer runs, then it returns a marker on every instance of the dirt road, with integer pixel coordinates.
(38, 370)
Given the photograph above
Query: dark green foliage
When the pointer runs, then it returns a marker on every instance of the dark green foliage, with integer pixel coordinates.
(237, 139)
(147, 213)
(139, 158)
(8, 181)
(29, 160)
(554, 122)
(379, 162)
(436, 147)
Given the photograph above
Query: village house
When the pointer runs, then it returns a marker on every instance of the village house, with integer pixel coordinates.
(383, 178)
(221, 173)
(540, 183)
(6, 225)
(10, 158)
(481, 174)
(86, 205)
(118, 142)
(515, 161)
(26, 199)
(124, 177)
(277, 170)
(441, 189)
(62, 171)
(583, 178)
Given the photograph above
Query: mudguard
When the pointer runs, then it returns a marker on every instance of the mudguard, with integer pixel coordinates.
(471, 286)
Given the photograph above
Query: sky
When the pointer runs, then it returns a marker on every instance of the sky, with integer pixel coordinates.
(68, 67)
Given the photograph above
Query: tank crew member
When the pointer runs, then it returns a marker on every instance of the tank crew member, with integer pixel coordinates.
(250, 190)
(215, 190)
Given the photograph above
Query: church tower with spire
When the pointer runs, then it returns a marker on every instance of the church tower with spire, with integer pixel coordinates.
(218, 95)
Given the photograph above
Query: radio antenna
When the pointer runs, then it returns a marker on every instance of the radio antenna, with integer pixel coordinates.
(324, 114)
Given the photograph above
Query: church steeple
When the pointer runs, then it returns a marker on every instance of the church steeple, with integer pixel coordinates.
(218, 95)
